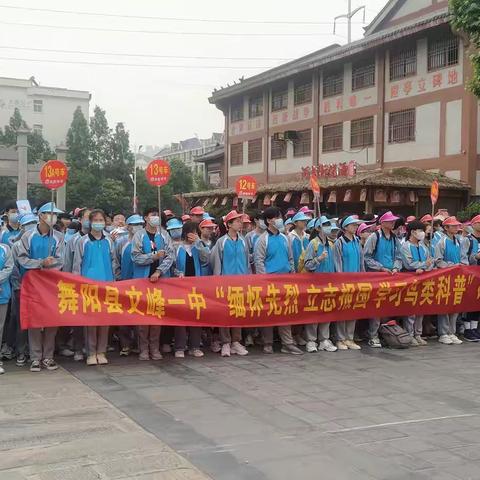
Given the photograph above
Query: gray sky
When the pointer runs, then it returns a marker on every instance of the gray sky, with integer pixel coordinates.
(163, 104)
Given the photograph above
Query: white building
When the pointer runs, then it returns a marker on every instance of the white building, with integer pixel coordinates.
(48, 110)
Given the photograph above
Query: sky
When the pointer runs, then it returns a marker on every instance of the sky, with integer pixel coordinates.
(165, 98)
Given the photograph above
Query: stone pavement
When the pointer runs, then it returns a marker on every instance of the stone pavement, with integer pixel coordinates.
(378, 415)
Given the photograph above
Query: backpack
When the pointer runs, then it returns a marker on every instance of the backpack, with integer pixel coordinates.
(394, 336)
(301, 260)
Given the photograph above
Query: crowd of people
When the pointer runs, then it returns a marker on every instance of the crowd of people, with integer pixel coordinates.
(159, 245)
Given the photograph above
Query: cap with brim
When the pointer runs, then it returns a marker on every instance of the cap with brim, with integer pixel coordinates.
(388, 217)
(351, 220)
(174, 223)
(207, 216)
(289, 221)
(186, 218)
(426, 218)
(207, 224)
(305, 210)
(451, 222)
(361, 228)
(310, 224)
(232, 216)
(246, 219)
(49, 208)
(197, 211)
(134, 220)
(28, 218)
(334, 226)
(411, 219)
(300, 217)
(291, 211)
(475, 220)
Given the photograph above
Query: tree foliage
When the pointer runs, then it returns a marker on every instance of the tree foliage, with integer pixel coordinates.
(466, 20)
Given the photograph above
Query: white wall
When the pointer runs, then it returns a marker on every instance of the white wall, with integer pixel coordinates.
(246, 168)
(453, 128)
(427, 137)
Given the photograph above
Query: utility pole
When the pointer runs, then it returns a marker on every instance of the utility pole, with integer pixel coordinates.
(135, 179)
(349, 17)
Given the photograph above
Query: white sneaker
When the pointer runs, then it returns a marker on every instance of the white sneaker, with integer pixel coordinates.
(351, 345)
(341, 345)
(420, 340)
(414, 342)
(311, 347)
(102, 359)
(92, 360)
(299, 340)
(166, 348)
(215, 347)
(226, 350)
(455, 340)
(238, 348)
(78, 357)
(66, 352)
(374, 343)
(196, 352)
(2, 370)
(179, 354)
(327, 345)
(445, 339)
(268, 349)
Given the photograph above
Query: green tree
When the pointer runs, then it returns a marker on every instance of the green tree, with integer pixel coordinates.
(100, 139)
(78, 141)
(466, 20)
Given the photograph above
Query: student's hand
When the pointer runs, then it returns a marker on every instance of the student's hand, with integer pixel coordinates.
(323, 256)
(192, 237)
(419, 271)
(160, 254)
(394, 271)
(477, 256)
(48, 262)
(155, 276)
(114, 235)
(429, 262)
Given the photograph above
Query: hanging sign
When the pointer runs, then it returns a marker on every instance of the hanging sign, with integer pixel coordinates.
(54, 174)
(158, 173)
(246, 187)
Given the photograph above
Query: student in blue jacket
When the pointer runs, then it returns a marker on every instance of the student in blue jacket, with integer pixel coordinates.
(348, 257)
(273, 254)
(42, 248)
(153, 257)
(6, 268)
(230, 257)
(298, 237)
(13, 227)
(188, 264)
(95, 258)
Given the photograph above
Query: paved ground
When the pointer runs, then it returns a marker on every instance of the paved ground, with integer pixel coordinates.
(379, 415)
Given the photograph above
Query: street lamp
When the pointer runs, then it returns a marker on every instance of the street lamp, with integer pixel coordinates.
(135, 179)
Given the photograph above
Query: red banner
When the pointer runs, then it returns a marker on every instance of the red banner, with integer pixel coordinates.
(51, 298)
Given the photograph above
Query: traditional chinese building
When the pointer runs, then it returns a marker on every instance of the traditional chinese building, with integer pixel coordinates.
(395, 98)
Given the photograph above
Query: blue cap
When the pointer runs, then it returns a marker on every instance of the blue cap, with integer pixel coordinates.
(288, 221)
(135, 220)
(300, 217)
(174, 223)
(28, 218)
(334, 226)
(351, 220)
(207, 216)
(311, 223)
(48, 208)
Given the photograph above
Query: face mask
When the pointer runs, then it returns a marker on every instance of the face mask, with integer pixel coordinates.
(50, 219)
(420, 236)
(98, 226)
(135, 228)
(154, 221)
(262, 224)
(327, 230)
(110, 228)
(279, 225)
(469, 230)
(86, 224)
(28, 227)
(71, 231)
(176, 233)
(13, 217)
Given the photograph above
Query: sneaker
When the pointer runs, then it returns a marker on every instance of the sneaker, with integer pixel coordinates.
(299, 340)
(157, 355)
(144, 356)
(2, 370)
(292, 349)
(125, 352)
(35, 366)
(92, 360)
(179, 354)
(21, 361)
(374, 343)
(341, 345)
(445, 339)
(7, 353)
(216, 346)
(66, 352)
(414, 343)
(469, 336)
(226, 351)
(50, 364)
(351, 345)
(476, 333)
(455, 340)
(166, 348)
(196, 352)
(421, 342)
(311, 347)
(110, 348)
(238, 349)
(78, 357)
(267, 349)
(249, 341)
(102, 359)
(327, 345)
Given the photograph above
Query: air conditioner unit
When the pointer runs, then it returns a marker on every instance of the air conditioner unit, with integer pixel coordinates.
(279, 136)
(291, 135)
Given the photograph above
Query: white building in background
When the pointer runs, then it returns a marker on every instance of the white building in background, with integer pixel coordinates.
(48, 110)
(191, 148)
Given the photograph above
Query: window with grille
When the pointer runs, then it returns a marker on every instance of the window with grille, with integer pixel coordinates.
(38, 106)
(303, 145)
(236, 154)
(255, 150)
(442, 52)
(38, 129)
(236, 112)
(403, 63)
(333, 83)
(401, 126)
(255, 107)
(363, 74)
(279, 149)
(332, 138)
(280, 99)
(361, 133)
(302, 93)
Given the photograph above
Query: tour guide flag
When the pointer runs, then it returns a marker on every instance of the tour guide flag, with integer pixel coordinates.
(52, 298)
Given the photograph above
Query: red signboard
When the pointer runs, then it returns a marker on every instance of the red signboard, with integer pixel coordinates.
(246, 187)
(158, 173)
(434, 192)
(54, 174)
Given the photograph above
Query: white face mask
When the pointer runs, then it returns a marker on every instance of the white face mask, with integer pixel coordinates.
(420, 235)
(262, 224)
(135, 228)
(50, 219)
(154, 221)
(279, 225)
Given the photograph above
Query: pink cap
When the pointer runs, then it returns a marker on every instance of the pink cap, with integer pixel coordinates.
(411, 219)
(362, 227)
(475, 220)
(452, 222)
(305, 210)
(388, 217)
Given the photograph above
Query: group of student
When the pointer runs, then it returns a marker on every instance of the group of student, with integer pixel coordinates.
(158, 245)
